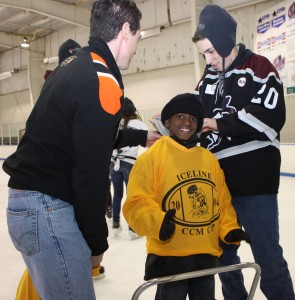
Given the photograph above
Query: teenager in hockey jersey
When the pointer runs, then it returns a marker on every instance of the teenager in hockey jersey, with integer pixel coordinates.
(177, 197)
(244, 109)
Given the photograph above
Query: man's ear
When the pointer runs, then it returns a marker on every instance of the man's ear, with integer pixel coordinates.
(126, 31)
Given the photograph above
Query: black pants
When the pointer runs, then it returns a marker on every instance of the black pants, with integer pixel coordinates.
(200, 288)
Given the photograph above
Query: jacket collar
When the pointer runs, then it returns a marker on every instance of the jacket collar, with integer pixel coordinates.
(101, 48)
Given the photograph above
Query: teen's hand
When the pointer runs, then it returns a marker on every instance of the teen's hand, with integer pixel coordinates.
(209, 125)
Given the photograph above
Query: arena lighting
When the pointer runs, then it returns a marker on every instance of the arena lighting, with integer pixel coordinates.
(25, 44)
(150, 32)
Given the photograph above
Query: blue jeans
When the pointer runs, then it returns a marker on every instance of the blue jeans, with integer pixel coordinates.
(258, 215)
(118, 179)
(46, 233)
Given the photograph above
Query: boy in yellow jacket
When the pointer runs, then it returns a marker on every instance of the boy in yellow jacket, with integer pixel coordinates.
(177, 197)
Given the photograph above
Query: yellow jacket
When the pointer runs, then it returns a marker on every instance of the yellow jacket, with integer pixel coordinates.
(167, 176)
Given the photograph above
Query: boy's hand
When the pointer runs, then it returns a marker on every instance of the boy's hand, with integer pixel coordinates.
(167, 228)
(237, 235)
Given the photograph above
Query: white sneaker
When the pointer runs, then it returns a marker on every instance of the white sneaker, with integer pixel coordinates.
(116, 229)
(133, 235)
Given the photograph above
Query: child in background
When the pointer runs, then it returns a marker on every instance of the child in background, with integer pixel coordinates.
(122, 163)
(177, 197)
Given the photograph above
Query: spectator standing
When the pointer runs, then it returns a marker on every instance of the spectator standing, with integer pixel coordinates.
(66, 49)
(122, 163)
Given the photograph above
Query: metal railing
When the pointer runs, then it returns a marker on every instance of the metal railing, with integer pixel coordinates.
(200, 273)
(9, 134)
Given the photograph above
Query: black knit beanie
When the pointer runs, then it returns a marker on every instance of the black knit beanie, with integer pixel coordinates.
(184, 103)
(219, 28)
(67, 49)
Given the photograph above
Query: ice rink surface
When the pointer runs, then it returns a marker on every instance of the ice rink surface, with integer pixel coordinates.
(124, 261)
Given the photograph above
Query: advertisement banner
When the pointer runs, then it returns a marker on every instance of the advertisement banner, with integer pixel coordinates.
(275, 39)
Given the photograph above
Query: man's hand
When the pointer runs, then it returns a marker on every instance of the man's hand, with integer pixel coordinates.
(209, 125)
(96, 260)
(152, 137)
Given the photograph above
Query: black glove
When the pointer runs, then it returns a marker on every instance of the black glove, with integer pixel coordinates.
(167, 228)
(237, 235)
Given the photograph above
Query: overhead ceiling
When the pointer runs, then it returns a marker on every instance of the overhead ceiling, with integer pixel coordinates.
(35, 19)
(19, 19)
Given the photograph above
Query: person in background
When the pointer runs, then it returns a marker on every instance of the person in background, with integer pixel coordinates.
(66, 49)
(110, 202)
(122, 163)
(244, 111)
(177, 197)
(59, 174)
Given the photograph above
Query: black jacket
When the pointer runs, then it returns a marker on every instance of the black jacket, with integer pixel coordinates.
(69, 138)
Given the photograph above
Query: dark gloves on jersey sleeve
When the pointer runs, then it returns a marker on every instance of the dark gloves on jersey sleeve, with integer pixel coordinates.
(167, 228)
(237, 235)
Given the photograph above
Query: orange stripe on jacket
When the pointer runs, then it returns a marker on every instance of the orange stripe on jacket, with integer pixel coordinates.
(109, 89)
(95, 56)
(109, 95)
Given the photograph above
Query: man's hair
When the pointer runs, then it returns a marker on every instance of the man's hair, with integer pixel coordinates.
(108, 17)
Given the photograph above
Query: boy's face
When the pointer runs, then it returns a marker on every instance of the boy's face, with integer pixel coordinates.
(182, 125)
